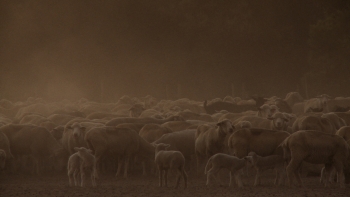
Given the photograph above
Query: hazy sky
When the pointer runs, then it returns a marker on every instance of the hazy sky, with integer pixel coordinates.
(82, 48)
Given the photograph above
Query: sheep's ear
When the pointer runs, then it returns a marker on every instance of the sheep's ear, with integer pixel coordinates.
(167, 146)
(219, 124)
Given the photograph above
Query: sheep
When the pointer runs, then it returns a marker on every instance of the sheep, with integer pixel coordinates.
(318, 148)
(219, 161)
(243, 124)
(166, 160)
(210, 140)
(123, 143)
(265, 111)
(136, 110)
(261, 164)
(79, 163)
(293, 97)
(214, 107)
(277, 121)
(31, 140)
(152, 132)
(320, 103)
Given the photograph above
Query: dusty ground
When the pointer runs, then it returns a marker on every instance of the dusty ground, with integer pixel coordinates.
(136, 185)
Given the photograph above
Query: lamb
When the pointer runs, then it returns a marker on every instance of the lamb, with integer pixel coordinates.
(219, 161)
(261, 164)
(166, 160)
(79, 163)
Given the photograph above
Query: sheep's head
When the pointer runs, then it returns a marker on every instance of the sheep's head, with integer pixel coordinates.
(225, 127)
(136, 110)
(324, 98)
(78, 130)
(279, 120)
(161, 146)
(248, 160)
(83, 150)
(265, 111)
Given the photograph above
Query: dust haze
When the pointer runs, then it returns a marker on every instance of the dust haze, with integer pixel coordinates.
(102, 50)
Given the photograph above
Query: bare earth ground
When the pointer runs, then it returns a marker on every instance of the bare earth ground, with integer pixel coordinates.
(137, 185)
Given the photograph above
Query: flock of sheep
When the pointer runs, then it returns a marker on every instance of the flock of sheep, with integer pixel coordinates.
(292, 136)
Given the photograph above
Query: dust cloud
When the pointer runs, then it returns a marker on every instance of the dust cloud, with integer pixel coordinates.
(102, 50)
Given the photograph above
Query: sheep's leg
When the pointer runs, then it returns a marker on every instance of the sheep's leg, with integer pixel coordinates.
(120, 163)
(144, 168)
(82, 176)
(198, 164)
(98, 165)
(93, 179)
(178, 177)
(292, 170)
(283, 177)
(277, 177)
(166, 177)
(340, 174)
(70, 177)
(208, 177)
(238, 179)
(230, 179)
(160, 177)
(76, 177)
(35, 169)
(214, 172)
(37, 163)
(126, 165)
(297, 175)
(257, 178)
(185, 177)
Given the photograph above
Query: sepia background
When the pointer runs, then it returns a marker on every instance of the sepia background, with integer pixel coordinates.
(198, 49)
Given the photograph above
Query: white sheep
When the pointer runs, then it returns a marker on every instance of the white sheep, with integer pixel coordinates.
(78, 164)
(261, 164)
(219, 161)
(166, 160)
